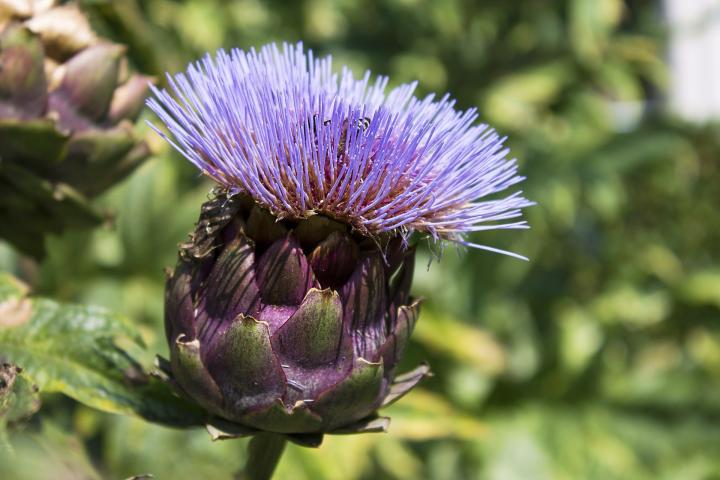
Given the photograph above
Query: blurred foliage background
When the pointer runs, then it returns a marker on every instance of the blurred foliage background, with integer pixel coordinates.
(598, 359)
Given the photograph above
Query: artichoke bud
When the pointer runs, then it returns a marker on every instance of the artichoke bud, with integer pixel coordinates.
(291, 326)
(129, 99)
(66, 103)
(22, 75)
(64, 31)
(90, 79)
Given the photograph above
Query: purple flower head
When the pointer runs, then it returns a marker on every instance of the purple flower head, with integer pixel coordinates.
(281, 126)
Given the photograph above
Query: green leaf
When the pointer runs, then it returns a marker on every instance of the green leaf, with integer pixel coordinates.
(591, 23)
(11, 287)
(19, 397)
(48, 451)
(423, 415)
(702, 287)
(75, 350)
(517, 101)
(460, 341)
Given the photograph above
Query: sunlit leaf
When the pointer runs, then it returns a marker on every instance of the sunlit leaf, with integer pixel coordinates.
(74, 349)
(19, 398)
(461, 341)
(423, 415)
(591, 23)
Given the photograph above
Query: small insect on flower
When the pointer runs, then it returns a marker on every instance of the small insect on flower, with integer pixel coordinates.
(362, 124)
(289, 308)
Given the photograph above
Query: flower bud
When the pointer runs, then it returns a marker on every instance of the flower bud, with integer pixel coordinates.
(20, 9)
(90, 79)
(294, 332)
(66, 103)
(129, 99)
(64, 31)
(22, 77)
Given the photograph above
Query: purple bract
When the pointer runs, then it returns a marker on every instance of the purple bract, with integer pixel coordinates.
(280, 126)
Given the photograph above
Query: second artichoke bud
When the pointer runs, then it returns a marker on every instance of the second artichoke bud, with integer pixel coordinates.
(288, 326)
(67, 108)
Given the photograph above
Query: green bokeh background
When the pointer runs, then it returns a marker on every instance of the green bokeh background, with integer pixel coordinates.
(598, 359)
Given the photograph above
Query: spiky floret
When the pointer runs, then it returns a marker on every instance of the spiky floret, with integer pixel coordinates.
(280, 125)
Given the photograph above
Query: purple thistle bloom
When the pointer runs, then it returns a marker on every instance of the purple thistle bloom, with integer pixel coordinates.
(280, 126)
(289, 309)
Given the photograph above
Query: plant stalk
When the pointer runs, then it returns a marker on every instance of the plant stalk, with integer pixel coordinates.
(264, 452)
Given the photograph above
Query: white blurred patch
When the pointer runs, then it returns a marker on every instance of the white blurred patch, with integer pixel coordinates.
(694, 58)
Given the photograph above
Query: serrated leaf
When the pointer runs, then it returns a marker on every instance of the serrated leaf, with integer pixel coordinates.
(74, 350)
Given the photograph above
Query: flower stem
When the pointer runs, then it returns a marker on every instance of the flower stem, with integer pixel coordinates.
(264, 452)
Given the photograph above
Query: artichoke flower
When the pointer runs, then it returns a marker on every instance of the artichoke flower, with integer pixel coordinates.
(67, 107)
(289, 308)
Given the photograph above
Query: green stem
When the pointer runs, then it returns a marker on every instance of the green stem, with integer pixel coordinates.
(264, 452)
